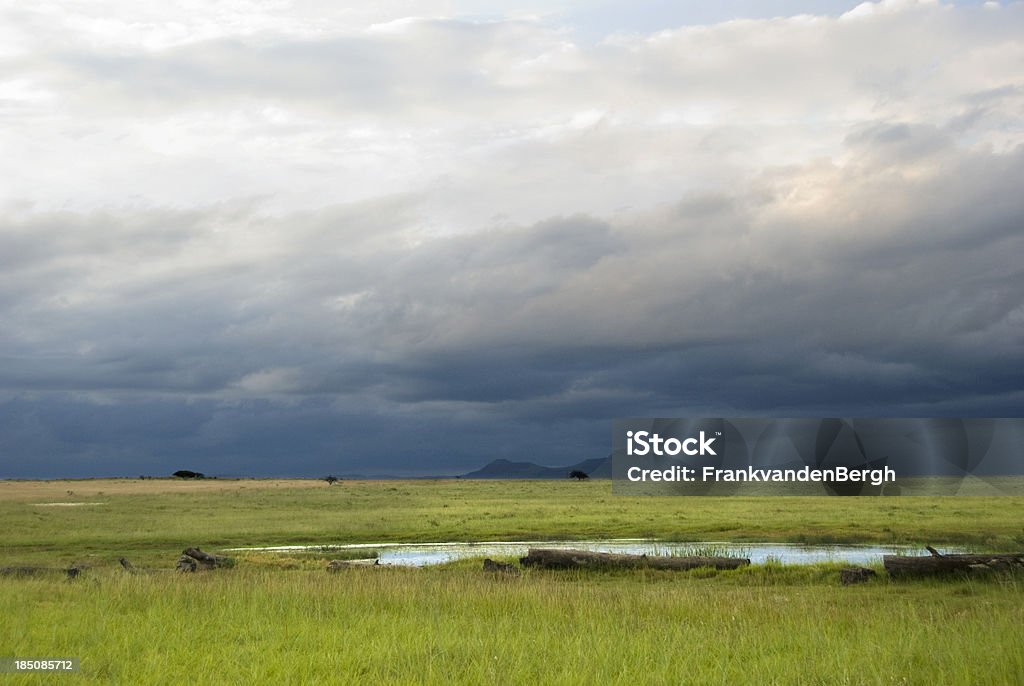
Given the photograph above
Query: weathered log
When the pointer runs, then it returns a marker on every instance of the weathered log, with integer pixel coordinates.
(936, 564)
(71, 572)
(27, 571)
(575, 559)
(186, 564)
(207, 560)
(855, 575)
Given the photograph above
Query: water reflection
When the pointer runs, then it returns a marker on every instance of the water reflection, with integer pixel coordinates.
(423, 554)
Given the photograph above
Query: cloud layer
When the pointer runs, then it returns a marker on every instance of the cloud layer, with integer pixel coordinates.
(409, 245)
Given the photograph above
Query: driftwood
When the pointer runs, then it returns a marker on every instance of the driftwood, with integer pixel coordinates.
(71, 572)
(25, 571)
(855, 575)
(208, 560)
(193, 558)
(186, 564)
(583, 559)
(936, 563)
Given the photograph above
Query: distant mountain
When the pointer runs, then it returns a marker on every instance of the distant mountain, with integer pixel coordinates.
(596, 468)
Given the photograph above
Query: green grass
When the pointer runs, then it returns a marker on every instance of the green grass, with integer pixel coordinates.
(284, 619)
(145, 522)
(461, 625)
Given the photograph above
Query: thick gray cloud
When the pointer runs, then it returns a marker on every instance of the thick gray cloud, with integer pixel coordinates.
(415, 246)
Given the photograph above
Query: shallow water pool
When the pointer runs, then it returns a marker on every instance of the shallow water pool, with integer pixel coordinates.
(423, 554)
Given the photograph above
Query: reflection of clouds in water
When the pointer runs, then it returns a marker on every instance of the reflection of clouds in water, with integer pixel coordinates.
(425, 554)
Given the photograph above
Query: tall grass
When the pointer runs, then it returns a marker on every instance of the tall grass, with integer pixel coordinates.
(461, 625)
(702, 550)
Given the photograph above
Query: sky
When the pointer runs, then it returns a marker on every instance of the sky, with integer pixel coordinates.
(278, 238)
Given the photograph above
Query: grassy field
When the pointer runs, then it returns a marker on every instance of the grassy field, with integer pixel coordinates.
(268, 622)
(460, 625)
(151, 521)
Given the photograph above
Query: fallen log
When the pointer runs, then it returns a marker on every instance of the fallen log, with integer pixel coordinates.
(28, 571)
(207, 560)
(186, 564)
(71, 572)
(547, 558)
(937, 564)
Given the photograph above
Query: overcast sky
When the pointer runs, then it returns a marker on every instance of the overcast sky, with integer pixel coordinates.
(269, 238)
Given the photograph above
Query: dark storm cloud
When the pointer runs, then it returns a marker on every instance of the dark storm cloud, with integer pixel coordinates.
(888, 285)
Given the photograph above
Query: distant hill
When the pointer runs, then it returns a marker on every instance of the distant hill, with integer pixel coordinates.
(596, 468)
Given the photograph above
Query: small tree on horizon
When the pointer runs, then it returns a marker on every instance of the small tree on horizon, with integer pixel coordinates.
(330, 479)
(578, 475)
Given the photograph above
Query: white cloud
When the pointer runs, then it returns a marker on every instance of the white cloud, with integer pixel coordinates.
(508, 118)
